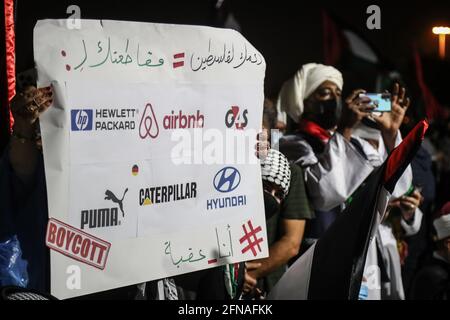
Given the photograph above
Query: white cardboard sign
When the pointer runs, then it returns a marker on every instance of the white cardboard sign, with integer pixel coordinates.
(131, 146)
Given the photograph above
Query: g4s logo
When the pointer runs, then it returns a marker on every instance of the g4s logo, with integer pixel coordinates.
(234, 117)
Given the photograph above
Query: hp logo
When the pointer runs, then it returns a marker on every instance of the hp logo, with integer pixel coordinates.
(227, 179)
(81, 120)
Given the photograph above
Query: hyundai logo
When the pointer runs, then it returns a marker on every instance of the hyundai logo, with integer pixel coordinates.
(227, 179)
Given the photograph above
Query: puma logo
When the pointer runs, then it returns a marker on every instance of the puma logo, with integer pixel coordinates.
(109, 195)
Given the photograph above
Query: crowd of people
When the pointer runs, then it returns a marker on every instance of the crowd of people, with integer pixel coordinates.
(329, 145)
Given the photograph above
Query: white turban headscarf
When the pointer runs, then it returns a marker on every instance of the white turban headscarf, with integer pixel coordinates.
(275, 169)
(442, 223)
(301, 86)
(442, 226)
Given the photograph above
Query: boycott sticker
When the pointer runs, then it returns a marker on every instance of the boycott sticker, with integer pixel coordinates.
(76, 244)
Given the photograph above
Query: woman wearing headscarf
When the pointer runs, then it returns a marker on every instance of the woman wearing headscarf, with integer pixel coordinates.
(335, 161)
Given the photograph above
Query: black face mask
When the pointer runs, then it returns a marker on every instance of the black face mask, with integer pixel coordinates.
(271, 205)
(327, 113)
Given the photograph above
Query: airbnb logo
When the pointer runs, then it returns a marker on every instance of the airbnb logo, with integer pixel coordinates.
(148, 126)
(182, 121)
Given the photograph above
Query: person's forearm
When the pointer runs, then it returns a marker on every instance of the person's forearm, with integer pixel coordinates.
(23, 153)
(389, 139)
(279, 254)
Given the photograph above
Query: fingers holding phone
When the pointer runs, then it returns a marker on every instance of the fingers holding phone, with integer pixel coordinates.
(408, 203)
(356, 107)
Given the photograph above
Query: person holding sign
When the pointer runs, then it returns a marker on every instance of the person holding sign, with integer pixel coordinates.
(22, 184)
(24, 189)
(287, 210)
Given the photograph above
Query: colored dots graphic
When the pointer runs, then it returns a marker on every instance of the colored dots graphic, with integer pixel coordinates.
(64, 54)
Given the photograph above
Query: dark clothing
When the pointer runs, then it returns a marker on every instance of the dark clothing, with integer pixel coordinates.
(206, 284)
(432, 282)
(295, 207)
(423, 175)
(124, 293)
(322, 221)
(420, 243)
(23, 211)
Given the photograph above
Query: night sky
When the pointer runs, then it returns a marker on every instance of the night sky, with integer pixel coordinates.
(287, 33)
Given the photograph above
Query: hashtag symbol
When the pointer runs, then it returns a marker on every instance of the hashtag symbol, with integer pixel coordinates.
(251, 238)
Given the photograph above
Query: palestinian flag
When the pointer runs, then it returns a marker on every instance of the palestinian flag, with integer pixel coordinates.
(333, 267)
(433, 109)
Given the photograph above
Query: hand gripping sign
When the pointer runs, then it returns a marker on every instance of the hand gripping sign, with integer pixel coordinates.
(139, 150)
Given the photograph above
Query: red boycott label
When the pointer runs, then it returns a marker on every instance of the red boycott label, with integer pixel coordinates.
(77, 244)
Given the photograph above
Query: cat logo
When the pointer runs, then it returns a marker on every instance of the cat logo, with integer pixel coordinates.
(147, 202)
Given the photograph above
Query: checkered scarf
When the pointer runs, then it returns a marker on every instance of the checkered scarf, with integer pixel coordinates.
(275, 169)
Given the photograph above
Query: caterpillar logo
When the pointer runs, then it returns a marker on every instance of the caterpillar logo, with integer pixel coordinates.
(165, 194)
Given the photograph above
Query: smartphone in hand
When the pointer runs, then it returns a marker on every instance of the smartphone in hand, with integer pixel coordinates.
(381, 101)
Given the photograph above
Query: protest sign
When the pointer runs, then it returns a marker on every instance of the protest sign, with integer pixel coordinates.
(149, 150)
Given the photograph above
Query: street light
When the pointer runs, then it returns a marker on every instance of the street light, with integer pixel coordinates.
(442, 32)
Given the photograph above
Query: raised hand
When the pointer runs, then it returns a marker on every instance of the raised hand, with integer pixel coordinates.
(263, 145)
(250, 280)
(408, 204)
(354, 110)
(31, 103)
(27, 107)
(390, 122)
